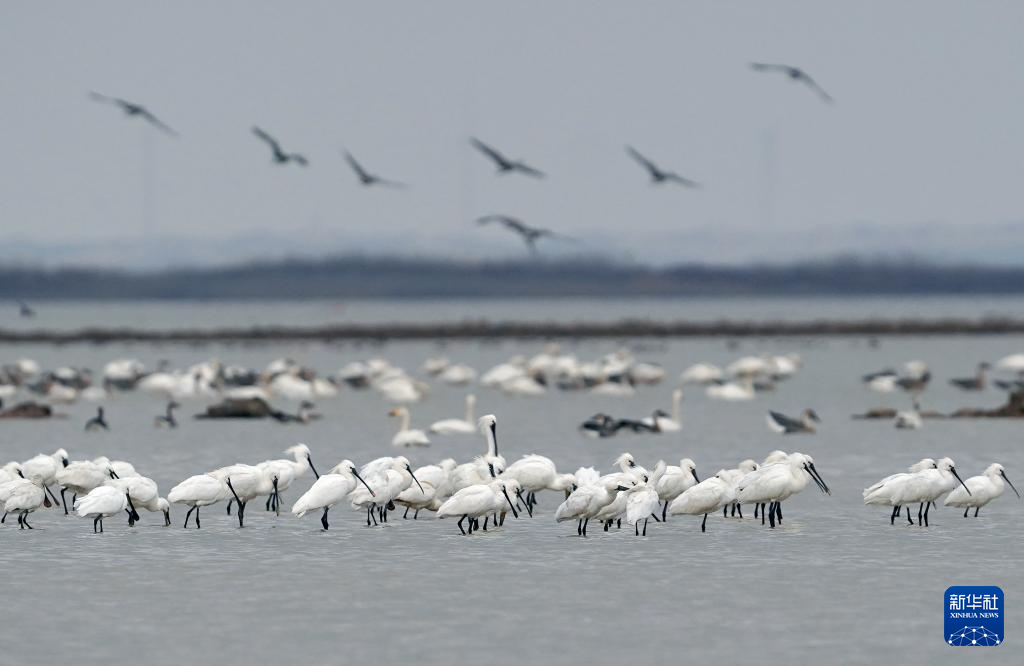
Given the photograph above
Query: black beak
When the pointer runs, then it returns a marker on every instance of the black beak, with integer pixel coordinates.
(519, 496)
(621, 488)
(509, 500)
(113, 474)
(1011, 484)
(167, 518)
(953, 470)
(494, 434)
(310, 461)
(817, 479)
(415, 479)
(356, 474)
(20, 474)
(64, 462)
(490, 466)
(694, 473)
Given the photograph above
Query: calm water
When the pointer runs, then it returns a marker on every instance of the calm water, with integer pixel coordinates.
(836, 584)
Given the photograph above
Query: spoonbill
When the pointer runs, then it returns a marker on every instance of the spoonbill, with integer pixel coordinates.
(103, 502)
(774, 483)
(586, 501)
(144, 494)
(642, 500)
(329, 489)
(711, 494)
(287, 471)
(81, 477)
(479, 500)
(733, 478)
(247, 482)
(884, 492)
(196, 491)
(435, 484)
(485, 467)
(383, 488)
(923, 487)
(45, 467)
(978, 491)
(674, 481)
(24, 497)
(536, 473)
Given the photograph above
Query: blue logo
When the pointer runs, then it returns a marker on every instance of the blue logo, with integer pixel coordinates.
(974, 615)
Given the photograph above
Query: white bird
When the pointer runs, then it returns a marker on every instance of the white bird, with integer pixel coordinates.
(923, 487)
(465, 426)
(674, 481)
(407, 436)
(104, 502)
(196, 491)
(328, 490)
(732, 391)
(246, 482)
(480, 500)
(586, 501)
(909, 419)
(978, 491)
(883, 492)
(287, 471)
(486, 467)
(382, 488)
(662, 422)
(708, 496)
(80, 477)
(457, 375)
(144, 494)
(774, 483)
(434, 488)
(642, 500)
(23, 497)
(733, 478)
(701, 373)
(536, 473)
(45, 467)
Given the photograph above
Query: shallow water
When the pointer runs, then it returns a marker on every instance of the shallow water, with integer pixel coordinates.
(836, 584)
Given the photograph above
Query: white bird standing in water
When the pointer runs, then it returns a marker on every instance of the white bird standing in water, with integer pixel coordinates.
(885, 492)
(485, 468)
(104, 502)
(46, 468)
(247, 482)
(536, 473)
(196, 491)
(642, 500)
(674, 481)
(382, 488)
(287, 471)
(24, 496)
(586, 501)
(774, 483)
(733, 477)
(329, 489)
(434, 488)
(978, 491)
(708, 496)
(144, 493)
(480, 500)
(407, 436)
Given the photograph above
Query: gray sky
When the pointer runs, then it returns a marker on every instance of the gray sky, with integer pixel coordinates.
(921, 154)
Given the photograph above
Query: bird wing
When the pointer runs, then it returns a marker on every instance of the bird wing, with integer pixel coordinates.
(682, 181)
(522, 167)
(271, 141)
(770, 67)
(298, 158)
(156, 122)
(646, 163)
(813, 85)
(357, 167)
(781, 423)
(488, 151)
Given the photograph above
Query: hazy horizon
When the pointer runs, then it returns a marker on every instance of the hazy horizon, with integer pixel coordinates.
(917, 157)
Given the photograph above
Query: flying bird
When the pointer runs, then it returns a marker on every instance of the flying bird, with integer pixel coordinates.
(504, 164)
(25, 310)
(133, 109)
(659, 175)
(530, 235)
(367, 178)
(280, 157)
(795, 74)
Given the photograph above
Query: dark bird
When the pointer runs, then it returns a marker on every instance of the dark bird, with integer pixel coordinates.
(97, 422)
(786, 425)
(659, 175)
(304, 415)
(915, 384)
(280, 157)
(25, 310)
(504, 164)
(132, 109)
(530, 235)
(975, 383)
(367, 178)
(599, 425)
(794, 74)
(167, 419)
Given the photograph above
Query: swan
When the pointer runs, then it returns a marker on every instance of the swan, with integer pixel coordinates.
(465, 426)
(662, 422)
(701, 373)
(732, 391)
(407, 436)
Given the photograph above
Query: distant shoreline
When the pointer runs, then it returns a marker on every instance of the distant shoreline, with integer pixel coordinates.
(633, 328)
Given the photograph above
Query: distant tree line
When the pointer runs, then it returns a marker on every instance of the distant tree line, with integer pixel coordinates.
(369, 277)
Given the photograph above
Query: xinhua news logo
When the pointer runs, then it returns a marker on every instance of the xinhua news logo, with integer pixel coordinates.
(974, 616)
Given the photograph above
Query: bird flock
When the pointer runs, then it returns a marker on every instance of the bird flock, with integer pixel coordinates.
(502, 162)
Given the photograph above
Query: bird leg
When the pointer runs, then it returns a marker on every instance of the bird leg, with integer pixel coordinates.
(323, 518)
(920, 510)
(64, 501)
(771, 514)
(976, 511)
(269, 497)
(656, 519)
(187, 515)
(50, 493)
(241, 513)
(485, 524)
(725, 511)
(460, 525)
(927, 506)
(416, 515)
(21, 525)
(4, 519)
(636, 528)
(24, 520)
(607, 524)
(778, 512)
(909, 519)
(703, 523)
(755, 513)
(739, 509)
(762, 513)
(197, 516)
(618, 526)
(229, 507)
(892, 515)
(586, 521)
(579, 525)
(645, 527)
(966, 510)
(405, 516)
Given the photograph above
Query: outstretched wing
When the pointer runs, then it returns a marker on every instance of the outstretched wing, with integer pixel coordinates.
(358, 168)
(813, 85)
(510, 222)
(644, 162)
(156, 122)
(770, 67)
(271, 141)
(522, 167)
(488, 151)
(682, 181)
